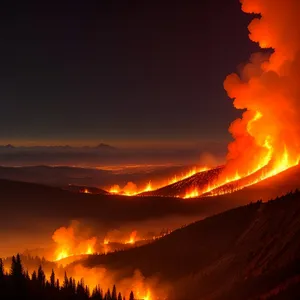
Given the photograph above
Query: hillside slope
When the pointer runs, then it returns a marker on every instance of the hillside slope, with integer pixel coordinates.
(245, 253)
(199, 180)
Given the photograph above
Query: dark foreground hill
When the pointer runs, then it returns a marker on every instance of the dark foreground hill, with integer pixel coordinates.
(251, 252)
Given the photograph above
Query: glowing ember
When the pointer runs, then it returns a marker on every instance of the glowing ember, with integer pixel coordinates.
(86, 191)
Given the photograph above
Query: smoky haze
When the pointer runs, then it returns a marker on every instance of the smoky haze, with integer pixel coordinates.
(268, 88)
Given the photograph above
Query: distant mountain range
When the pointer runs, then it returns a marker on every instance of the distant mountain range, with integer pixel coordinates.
(100, 146)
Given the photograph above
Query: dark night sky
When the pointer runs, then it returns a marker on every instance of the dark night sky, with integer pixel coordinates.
(115, 70)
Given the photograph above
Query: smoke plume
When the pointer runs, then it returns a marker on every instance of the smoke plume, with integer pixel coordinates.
(267, 88)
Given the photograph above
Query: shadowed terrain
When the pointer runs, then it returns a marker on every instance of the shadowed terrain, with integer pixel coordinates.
(245, 253)
(38, 210)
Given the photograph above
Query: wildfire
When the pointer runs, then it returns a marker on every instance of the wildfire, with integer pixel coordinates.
(190, 173)
(148, 187)
(132, 238)
(115, 189)
(131, 189)
(266, 137)
(192, 194)
(69, 244)
(144, 295)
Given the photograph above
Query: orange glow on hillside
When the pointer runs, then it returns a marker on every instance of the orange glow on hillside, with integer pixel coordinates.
(131, 189)
(115, 189)
(132, 238)
(69, 244)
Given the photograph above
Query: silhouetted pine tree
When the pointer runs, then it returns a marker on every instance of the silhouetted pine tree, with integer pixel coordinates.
(27, 277)
(119, 296)
(97, 293)
(19, 285)
(2, 281)
(52, 279)
(114, 293)
(108, 295)
(17, 277)
(1, 270)
(41, 277)
(131, 297)
(66, 281)
(34, 276)
(87, 291)
(80, 290)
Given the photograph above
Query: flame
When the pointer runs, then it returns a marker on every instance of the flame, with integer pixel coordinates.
(144, 295)
(69, 244)
(131, 189)
(115, 189)
(148, 187)
(132, 238)
(190, 173)
(192, 194)
(86, 191)
(267, 136)
(61, 254)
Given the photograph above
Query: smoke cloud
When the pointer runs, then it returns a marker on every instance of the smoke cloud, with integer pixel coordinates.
(267, 88)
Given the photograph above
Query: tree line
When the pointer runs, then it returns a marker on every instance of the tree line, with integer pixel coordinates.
(19, 284)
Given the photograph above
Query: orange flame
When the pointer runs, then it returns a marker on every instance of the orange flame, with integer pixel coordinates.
(115, 189)
(192, 194)
(190, 173)
(132, 238)
(267, 136)
(131, 189)
(68, 244)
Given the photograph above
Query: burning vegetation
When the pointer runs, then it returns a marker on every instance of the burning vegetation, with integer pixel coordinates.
(68, 243)
(267, 136)
(131, 189)
(74, 241)
(17, 281)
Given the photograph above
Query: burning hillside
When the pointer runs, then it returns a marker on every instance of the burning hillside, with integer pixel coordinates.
(131, 189)
(197, 181)
(267, 136)
(74, 242)
(243, 253)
